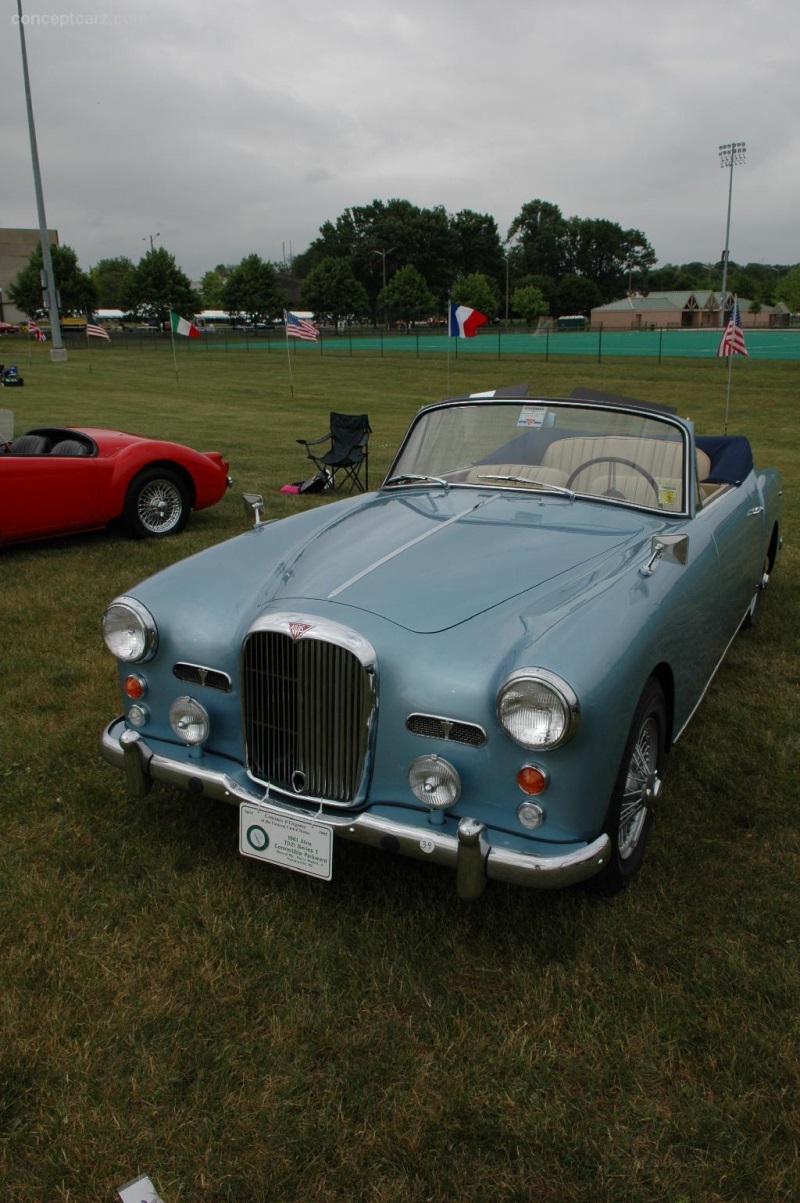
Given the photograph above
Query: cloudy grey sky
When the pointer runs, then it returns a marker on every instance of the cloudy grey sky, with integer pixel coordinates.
(241, 127)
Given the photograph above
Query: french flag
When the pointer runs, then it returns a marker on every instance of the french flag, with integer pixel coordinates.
(464, 322)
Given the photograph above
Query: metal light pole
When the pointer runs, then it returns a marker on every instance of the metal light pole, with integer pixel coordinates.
(507, 289)
(151, 237)
(383, 255)
(731, 154)
(58, 353)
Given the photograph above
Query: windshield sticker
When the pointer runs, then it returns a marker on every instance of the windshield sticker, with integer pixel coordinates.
(668, 497)
(532, 415)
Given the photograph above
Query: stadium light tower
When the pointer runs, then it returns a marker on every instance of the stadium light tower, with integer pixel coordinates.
(731, 154)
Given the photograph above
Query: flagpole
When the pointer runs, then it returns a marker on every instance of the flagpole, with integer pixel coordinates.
(732, 344)
(172, 339)
(728, 395)
(288, 354)
(89, 347)
(730, 363)
(448, 342)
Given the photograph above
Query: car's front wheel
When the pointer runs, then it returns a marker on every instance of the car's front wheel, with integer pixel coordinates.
(157, 504)
(630, 812)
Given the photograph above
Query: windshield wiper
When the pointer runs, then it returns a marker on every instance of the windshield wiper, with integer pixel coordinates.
(534, 484)
(406, 478)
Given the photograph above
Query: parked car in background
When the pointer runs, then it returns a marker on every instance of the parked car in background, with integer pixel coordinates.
(60, 480)
(482, 665)
(8, 328)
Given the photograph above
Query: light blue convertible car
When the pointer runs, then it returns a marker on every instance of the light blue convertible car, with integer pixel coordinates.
(483, 664)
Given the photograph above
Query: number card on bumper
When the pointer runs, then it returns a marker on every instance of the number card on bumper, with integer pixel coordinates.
(284, 840)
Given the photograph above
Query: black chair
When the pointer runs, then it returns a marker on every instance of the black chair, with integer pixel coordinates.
(349, 451)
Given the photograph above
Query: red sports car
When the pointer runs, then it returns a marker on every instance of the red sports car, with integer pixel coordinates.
(60, 480)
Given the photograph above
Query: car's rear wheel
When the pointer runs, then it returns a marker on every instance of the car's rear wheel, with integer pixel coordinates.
(630, 813)
(157, 504)
(751, 617)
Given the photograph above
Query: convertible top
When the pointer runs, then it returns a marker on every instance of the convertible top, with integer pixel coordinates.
(579, 393)
(731, 457)
(593, 394)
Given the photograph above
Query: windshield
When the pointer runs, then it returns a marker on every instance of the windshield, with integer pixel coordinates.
(636, 458)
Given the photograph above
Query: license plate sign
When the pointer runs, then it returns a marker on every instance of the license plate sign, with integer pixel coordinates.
(286, 841)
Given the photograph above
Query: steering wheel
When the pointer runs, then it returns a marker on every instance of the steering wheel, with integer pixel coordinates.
(615, 459)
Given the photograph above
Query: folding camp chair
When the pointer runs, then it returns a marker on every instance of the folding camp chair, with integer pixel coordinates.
(349, 451)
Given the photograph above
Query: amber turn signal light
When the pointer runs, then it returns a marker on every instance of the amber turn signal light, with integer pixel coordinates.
(531, 780)
(134, 686)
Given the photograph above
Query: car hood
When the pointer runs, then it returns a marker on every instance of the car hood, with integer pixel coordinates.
(423, 560)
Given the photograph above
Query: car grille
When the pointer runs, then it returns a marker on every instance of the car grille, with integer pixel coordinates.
(195, 674)
(307, 709)
(446, 728)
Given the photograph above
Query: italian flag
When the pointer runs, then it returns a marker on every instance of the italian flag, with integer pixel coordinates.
(181, 326)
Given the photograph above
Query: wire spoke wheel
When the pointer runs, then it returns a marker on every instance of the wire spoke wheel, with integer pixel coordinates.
(157, 504)
(639, 785)
(629, 818)
(159, 507)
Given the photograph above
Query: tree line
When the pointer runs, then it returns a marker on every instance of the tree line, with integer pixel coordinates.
(395, 260)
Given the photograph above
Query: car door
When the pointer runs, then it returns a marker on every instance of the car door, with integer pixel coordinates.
(41, 495)
(735, 524)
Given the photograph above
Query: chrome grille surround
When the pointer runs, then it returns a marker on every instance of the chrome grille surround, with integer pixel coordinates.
(309, 701)
(433, 726)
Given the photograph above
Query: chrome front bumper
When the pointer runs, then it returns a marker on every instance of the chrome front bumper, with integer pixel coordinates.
(469, 852)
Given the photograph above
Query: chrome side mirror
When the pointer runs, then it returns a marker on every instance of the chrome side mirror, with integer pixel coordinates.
(254, 503)
(666, 547)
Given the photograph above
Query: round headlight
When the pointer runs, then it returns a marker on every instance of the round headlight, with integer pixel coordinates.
(130, 631)
(434, 781)
(189, 720)
(538, 709)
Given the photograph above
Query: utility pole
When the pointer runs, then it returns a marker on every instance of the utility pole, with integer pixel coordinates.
(58, 352)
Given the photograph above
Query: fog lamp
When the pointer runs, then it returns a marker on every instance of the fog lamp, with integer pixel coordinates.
(434, 781)
(189, 720)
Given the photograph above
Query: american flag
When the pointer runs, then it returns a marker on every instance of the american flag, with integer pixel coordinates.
(732, 341)
(97, 332)
(37, 332)
(298, 327)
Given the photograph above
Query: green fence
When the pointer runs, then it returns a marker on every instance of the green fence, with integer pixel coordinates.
(656, 344)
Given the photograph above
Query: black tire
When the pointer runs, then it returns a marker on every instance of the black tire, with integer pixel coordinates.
(156, 505)
(629, 819)
(750, 619)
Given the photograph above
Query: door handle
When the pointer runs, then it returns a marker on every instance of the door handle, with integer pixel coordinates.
(757, 509)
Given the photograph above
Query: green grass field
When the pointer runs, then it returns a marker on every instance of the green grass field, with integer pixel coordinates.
(241, 1033)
